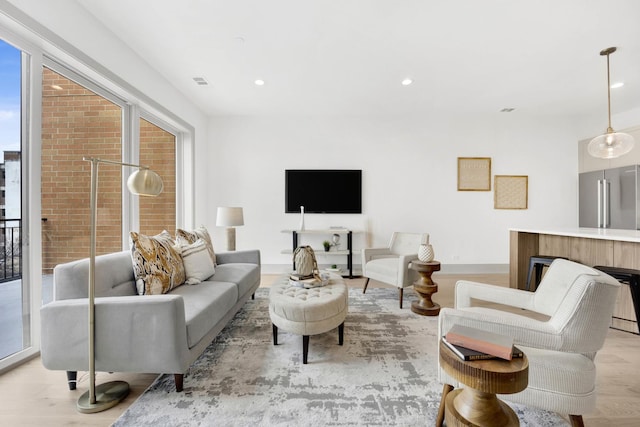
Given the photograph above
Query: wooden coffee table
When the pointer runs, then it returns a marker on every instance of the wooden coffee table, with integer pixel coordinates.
(477, 403)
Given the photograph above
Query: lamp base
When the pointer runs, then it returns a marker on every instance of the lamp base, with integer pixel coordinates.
(231, 239)
(108, 395)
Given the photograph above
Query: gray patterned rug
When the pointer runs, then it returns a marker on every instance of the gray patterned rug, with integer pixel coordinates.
(384, 375)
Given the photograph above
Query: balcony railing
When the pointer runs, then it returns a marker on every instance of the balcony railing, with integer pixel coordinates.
(10, 249)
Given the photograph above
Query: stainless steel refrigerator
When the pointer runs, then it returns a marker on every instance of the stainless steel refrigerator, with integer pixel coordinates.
(609, 198)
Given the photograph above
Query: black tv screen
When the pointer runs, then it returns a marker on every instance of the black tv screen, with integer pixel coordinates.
(323, 191)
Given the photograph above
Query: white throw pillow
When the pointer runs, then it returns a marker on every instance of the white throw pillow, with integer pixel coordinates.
(198, 265)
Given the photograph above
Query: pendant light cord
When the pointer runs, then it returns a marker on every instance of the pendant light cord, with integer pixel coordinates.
(609, 129)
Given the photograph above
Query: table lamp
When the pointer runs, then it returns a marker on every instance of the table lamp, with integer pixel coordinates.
(230, 217)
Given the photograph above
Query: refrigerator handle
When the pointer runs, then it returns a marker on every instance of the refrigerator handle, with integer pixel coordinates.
(599, 202)
(605, 205)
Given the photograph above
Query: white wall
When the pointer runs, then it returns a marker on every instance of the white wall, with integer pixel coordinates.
(409, 178)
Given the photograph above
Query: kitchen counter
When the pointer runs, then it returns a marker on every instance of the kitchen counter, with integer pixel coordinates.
(589, 233)
(588, 246)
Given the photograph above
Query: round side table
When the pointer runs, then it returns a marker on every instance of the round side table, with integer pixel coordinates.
(425, 287)
(477, 403)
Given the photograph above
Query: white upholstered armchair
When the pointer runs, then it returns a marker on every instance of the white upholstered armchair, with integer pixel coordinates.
(578, 301)
(391, 264)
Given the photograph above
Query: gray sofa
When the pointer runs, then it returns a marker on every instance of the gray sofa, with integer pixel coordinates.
(140, 333)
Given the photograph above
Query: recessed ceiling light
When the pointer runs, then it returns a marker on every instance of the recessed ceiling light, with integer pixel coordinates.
(507, 110)
(259, 82)
(201, 81)
(617, 85)
(407, 82)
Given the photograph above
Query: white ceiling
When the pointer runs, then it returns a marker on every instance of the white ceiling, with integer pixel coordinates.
(349, 57)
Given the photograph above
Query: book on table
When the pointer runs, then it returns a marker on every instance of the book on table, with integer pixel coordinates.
(468, 354)
(480, 340)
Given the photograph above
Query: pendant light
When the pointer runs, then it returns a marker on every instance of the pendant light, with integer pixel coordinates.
(611, 144)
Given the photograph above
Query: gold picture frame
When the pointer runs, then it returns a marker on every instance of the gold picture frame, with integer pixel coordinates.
(511, 192)
(474, 173)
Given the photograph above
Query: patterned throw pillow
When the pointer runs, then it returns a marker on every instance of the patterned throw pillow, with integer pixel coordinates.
(184, 238)
(157, 265)
(198, 265)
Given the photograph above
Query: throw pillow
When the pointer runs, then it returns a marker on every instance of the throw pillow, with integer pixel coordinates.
(157, 265)
(198, 265)
(184, 237)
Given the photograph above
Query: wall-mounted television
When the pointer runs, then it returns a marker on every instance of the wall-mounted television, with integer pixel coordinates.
(331, 191)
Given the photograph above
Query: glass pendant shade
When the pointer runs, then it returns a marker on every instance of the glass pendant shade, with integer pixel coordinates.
(610, 145)
(145, 182)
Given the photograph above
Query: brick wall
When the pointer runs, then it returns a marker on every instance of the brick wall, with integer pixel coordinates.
(157, 150)
(77, 123)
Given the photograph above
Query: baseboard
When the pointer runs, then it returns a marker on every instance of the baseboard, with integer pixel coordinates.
(445, 269)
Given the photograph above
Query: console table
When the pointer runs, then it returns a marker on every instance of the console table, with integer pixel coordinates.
(348, 253)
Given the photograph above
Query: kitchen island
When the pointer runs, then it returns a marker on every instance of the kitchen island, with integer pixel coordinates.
(589, 246)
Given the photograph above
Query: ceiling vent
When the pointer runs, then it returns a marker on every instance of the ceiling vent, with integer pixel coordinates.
(200, 81)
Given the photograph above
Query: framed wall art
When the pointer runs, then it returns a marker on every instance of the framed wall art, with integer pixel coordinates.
(511, 191)
(474, 173)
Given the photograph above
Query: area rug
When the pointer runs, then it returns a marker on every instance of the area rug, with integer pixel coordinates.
(383, 375)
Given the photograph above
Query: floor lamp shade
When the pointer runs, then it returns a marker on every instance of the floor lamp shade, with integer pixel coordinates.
(145, 182)
(104, 396)
(230, 217)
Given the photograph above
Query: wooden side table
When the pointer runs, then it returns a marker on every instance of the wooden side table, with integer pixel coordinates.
(425, 287)
(477, 403)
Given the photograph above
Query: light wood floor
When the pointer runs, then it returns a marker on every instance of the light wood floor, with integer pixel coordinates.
(34, 396)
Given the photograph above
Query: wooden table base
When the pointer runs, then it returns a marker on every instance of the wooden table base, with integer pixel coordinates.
(468, 407)
(425, 287)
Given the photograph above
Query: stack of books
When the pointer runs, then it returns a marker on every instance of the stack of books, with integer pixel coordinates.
(477, 344)
(307, 282)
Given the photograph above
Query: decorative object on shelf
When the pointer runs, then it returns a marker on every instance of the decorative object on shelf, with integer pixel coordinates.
(510, 191)
(305, 260)
(327, 245)
(611, 144)
(230, 218)
(143, 182)
(301, 218)
(474, 173)
(336, 240)
(425, 250)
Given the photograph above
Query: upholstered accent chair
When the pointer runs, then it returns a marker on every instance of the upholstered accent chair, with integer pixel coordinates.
(391, 264)
(574, 305)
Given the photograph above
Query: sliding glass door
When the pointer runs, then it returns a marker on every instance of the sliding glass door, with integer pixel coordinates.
(15, 322)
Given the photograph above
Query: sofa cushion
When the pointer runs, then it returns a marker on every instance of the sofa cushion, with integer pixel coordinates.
(244, 275)
(157, 266)
(184, 237)
(204, 306)
(198, 265)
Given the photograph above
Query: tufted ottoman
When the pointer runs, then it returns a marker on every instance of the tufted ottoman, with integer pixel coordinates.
(308, 311)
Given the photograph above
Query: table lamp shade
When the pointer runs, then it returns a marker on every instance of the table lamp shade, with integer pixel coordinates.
(229, 217)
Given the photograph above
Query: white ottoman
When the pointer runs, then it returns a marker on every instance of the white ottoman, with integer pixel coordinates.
(308, 311)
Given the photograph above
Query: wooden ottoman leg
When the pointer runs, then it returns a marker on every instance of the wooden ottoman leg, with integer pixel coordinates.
(275, 334)
(341, 334)
(305, 348)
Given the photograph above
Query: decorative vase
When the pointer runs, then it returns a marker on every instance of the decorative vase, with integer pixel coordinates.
(301, 218)
(425, 253)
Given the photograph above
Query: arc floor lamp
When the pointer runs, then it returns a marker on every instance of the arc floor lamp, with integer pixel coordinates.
(143, 182)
